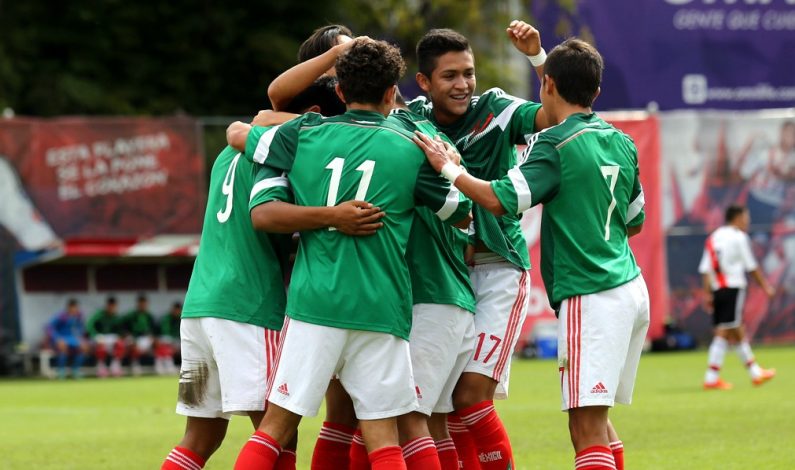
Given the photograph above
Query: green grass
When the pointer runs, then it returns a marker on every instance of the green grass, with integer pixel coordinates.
(673, 424)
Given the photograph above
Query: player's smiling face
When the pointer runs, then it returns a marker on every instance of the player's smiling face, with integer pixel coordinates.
(451, 85)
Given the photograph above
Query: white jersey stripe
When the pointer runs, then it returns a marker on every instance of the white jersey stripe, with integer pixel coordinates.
(636, 206)
(264, 144)
(450, 204)
(268, 183)
(524, 197)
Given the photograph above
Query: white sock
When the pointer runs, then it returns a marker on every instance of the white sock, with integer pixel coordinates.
(717, 351)
(747, 356)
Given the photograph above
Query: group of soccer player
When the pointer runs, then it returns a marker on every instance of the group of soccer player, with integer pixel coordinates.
(410, 282)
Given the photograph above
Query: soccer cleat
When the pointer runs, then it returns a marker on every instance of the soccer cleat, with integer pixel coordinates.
(764, 376)
(718, 385)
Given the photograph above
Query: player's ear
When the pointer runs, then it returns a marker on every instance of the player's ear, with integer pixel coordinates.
(423, 81)
(548, 84)
(313, 109)
(338, 90)
(595, 95)
(389, 96)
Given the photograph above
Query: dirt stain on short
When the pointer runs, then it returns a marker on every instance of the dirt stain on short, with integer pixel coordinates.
(193, 383)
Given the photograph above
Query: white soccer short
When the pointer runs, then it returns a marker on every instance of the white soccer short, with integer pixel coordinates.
(374, 368)
(501, 291)
(107, 340)
(441, 342)
(600, 339)
(143, 343)
(225, 367)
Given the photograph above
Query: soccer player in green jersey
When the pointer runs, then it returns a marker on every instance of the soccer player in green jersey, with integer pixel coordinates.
(585, 172)
(104, 330)
(349, 304)
(235, 303)
(485, 129)
(139, 327)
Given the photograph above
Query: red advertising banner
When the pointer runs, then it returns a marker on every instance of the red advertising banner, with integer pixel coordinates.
(109, 177)
(648, 246)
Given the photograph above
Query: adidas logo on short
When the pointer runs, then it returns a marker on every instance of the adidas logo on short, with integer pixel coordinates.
(599, 388)
(283, 389)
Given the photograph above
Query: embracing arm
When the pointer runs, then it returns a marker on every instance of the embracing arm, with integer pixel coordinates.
(350, 218)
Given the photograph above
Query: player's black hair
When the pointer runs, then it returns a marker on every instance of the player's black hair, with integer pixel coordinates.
(72, 302)
(321, 93)
(367, 70)
(142, 298)
(576, 67)
(436, 43)
(176, 304)
(111, 300)
(321, 40)
(733, 211)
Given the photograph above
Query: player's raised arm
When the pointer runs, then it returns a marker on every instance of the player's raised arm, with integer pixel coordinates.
(527, 40)
(294, 80)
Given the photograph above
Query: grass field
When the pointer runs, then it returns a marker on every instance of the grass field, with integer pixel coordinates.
(673, 424)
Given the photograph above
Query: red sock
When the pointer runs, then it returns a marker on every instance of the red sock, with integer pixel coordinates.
(464, 444)
(181, 458)
(286, 460)
(420, 454)
(595, 458)
(260, 453)
(358, 454)
(101, 353)
(387, 458)
(618, 454)
(333, 447)
(448, 457)
(490, 436)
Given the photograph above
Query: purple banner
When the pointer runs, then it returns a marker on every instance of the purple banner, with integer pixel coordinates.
(728, 54)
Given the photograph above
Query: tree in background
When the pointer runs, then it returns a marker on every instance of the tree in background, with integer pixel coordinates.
(211, 58)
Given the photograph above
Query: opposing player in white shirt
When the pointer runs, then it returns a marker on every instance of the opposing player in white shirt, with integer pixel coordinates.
(727, 257)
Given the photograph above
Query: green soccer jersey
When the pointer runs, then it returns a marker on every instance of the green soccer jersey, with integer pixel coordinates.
(237, 275)
(585, 172)
(486, 136)
(103, 323)
(439, 274)
(359, 283)
(138, 323)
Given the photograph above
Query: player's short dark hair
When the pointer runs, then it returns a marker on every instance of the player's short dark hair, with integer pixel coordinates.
(733, 211)
(368, 69)
(576, 67)
(72, 302)
(111, 300)
(176, 304)
(321, 40)
(321, 93)
(436, 43)
(142, 298)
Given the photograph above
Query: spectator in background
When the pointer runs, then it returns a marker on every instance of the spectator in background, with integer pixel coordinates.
(139, 329)
(104, 330)
(727, 257)
(168, 342)
(66, 333)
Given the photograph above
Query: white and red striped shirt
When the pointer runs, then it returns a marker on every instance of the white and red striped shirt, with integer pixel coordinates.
(727, 257)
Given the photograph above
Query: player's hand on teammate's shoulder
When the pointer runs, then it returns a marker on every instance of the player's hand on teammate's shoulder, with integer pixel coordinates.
(437, 151)
(524, 37)
(357, 218)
